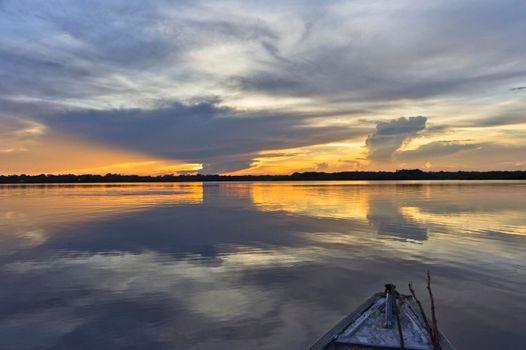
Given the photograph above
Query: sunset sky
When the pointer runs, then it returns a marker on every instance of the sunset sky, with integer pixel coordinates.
(261, 87)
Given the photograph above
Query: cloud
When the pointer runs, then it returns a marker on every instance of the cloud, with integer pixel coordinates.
(346, 51)
(107, 59)
(504, 119)
(12, 150)
(322, 166)
(436, 149)
(221, 138)
(511, 114)
(389, 220)
(112, 50)
(20, 128)
(389, 136)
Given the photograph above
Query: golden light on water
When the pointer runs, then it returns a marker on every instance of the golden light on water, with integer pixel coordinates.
(59, 205)
(506, 221)
(397, 213)
(313, 200)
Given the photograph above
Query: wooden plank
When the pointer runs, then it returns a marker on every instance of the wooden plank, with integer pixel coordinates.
(362, 318)
(324, 341)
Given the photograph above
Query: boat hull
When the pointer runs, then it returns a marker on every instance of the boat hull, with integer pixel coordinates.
(364, 329)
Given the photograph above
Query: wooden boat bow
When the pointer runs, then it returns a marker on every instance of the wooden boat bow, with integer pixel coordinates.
(386, 320)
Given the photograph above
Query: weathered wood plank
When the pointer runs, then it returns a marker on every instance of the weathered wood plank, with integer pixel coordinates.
(324, 341)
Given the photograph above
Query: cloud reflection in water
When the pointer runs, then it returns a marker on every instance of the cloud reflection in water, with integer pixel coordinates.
(247, 265)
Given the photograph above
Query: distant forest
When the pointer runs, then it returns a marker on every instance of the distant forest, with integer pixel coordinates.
(415, 174)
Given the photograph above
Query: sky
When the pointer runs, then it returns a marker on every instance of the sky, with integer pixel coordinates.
(252, 87)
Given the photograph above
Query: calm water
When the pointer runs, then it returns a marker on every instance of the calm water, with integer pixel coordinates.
(254, 265)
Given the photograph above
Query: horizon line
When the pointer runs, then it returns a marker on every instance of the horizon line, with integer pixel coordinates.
(401, 174)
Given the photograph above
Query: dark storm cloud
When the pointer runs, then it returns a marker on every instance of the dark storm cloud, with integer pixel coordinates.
(221, 138)
(389, 136)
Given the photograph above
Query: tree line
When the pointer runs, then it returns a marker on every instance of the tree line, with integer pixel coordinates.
(405, 174)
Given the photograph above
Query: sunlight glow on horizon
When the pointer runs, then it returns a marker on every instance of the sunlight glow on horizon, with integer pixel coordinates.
(273, 88)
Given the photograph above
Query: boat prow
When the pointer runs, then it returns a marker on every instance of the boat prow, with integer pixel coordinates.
(381, 323)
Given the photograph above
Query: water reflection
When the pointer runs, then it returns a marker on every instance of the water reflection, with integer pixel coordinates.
(403, 210)
(314, 199)
(191, 266)
(29, 213)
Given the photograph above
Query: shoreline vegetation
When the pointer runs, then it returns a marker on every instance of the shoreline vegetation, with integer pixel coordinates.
(405, 174)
